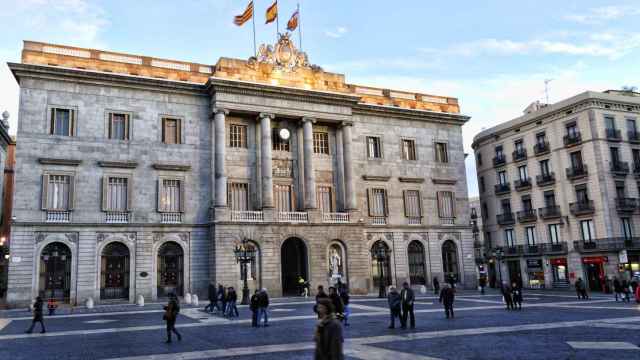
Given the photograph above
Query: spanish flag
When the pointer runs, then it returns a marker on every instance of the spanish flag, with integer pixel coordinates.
(272, 12)
(246, 15)
(292, 24)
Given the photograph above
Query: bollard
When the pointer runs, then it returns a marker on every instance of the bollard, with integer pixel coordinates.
(140, 300)
(89, 303)
(187, 299)
(194, 300)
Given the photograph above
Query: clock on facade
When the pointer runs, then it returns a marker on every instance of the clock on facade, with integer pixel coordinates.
(284, 134)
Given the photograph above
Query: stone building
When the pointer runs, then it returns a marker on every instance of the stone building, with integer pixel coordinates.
(559, 191)
(7, 145)
(140, 176)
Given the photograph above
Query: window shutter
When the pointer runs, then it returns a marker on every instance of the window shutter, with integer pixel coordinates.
(164, 139)
(404, 202)
(182, 200)
(179, 135)
(369, 201)
(53, 122)
(439, 203)
(129, 193)
(105, 193)
(453, 204)
(386, 202)
(126, 129)
(72, 123)
(45, 191)
(110, 126)
(419, 203)
(159, 193)
(72, 191)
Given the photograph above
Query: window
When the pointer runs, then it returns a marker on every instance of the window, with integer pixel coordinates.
(277, 143)
(479, 159)
(519, 145)
(505, 204)
(509, 239)
(62, 122)
(502, 177)
(118, 126)
(587, 231)
(631, 126)
(610, 122)
(238, 196)
(487, 240)
(523, 173)
(116, 195)
(549, 198)
(321, 143)
(171, 131)
(237, 136)
(325, 200)
(620, 191)
(541, 137)
(482, 186)
(446, 205)
(485, 211)
(57, 192)
(544, 168)
(530, 232)
(572, 130)
(283, 198)
(377, 199)
(576, 159)
(554, 234)
(408, 149)
(615, 155)
(441, 152)
(374, 147)
(582, 196)
(412, 208)
(626, 228)
(527, 205)
(499, 151)
(171, 196)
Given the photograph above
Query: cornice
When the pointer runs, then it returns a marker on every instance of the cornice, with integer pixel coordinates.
(411, 180)
(444, 181)
(118, 164)
(411, 114)
(171, 167)
(376, 178)
(66, 162)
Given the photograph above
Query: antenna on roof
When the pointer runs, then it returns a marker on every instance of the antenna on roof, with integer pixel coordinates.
(546, 89)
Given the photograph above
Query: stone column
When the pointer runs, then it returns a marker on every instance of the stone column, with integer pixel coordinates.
(265, 154)
(309, 175)
(349, 191)
(220, 147)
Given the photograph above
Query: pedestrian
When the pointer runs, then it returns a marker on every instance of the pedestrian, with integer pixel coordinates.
(222, 298)
(516, 296)
(407, 298)
(617, 288)
(52, 305)
(625, 291)
(254, 306)
(321, 294)
(581, 289)
(451, 279)
(338, 306)
(447, 295)
(171, 311)
(482, 283)
(304, 287)
(394, 306)
(328, 334)
(344, 295)
(37, 316)
(232, 299)
(263, 305)
(506, 294)
(436, 286)
(213, 298)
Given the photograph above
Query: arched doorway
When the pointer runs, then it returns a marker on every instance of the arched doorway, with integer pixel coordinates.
(114, 271)
(450, 261)
(55, 272)
(384, 266)
(170, 269)
(417, 273)
(293, 257)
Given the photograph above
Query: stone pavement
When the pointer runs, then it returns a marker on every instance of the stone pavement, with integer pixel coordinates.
(552, 325)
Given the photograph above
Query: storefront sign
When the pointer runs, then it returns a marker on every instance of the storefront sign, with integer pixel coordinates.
(594, 259)
(623, 257)
(534, 263)
(558, 261)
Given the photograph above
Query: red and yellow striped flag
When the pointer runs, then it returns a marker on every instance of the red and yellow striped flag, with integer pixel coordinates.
(272, 12)
(292, 24)
(246, 15)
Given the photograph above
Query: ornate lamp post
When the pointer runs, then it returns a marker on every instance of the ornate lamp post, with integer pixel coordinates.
(245, 253)
(380, 253)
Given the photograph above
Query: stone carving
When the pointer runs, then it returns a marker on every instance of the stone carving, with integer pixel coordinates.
(445, 236)
(100, 238)
(284, 55)
(73, 237)
(335, 261)
(40, 237)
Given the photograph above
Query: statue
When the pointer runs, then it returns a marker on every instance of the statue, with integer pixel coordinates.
(335, 263)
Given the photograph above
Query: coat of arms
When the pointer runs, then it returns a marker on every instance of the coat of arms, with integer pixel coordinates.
(284, 54)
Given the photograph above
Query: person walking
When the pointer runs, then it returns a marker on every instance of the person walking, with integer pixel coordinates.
(263, 305)
(321, 294)
(436, 286)
(506, 294)
(344, 295)
(222, 298)
(338, 306)
(328, 334)
(516, 296)
(254, 306)
(581, 290)
(231, 302)
(304, 287)
(617, 288)
(171, 311)
(625, 291)
(394, 306)
(407, 298)
(447, 295)
(213, 298)
(37, 316)
(482, 282)
(52, 305)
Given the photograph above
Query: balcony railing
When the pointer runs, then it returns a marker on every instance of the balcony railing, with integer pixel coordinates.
(607, 244)
(293, 216)
(505, 219)
(171, 218)
(246, 216)
(519, 155)
(522, 184)
(626, 204)
(557, 248)
(582, 207)
(54, 216)
(447, 221)
(512, 250)
(549, 212)
(613, 134)
(633, 136)
(619, 167)
(541, 148)
(500, 189)
(534, 249)
(116, 217)
(528, 215)
(378, 220)
(335, 218)
(499, 160)
(572, 139)
(414, 220)
(576, 172)
(546, 179)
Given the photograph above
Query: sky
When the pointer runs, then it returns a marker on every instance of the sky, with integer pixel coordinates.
(493, 55)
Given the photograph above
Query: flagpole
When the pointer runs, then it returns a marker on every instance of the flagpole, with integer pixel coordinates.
(253, 21)
(299, 27)
(277, 21)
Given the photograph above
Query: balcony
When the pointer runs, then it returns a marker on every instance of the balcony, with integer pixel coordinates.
(522, 184)
(549, 212)
(447, 221)
(295, 217)
(335, 218)
(613, 135)
(633, 136)
(582, 207)
(505, 219)
(499, 160)
(529, 215)
(171, 218)
(500, 189)
(378, 220)
(572, 139)
(414, 220)
(626, 204)
(519, 155)
(541, 148)
(246, 216)
(546, 179)
(54, 216)
(577, 172)
(512, 250)
(116, 217)
(554, 249)
(607, 244)
(619, 168)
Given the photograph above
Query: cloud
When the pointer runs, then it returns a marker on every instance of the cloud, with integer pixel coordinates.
(339, 32)
(603, 14)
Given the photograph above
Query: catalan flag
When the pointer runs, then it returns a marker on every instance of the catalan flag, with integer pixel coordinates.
(272, 12)
(245, 16)
(292, 24)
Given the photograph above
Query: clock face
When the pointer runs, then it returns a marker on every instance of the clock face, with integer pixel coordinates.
(284, 134)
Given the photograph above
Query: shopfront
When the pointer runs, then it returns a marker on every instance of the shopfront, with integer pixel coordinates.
(594, 272)
(629, 264)
(559, 270)
(535, 274)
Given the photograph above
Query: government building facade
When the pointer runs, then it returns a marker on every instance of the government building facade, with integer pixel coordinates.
(141, 176)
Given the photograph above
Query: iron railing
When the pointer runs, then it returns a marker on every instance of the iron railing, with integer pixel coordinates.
(582, 207)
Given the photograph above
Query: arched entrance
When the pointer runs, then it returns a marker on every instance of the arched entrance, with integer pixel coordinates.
(417, 273)
(55, 272)
(170, 269)
(114, 271)
(293, 257)
(450, 261)
(383, 266)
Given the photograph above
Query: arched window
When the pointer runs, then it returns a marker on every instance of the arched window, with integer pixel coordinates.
(55, 272)
(417, 272)
(170, 269)
(383, 266)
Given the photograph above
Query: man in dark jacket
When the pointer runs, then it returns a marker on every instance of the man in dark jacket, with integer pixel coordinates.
(506, 294)
(394, 306)
(328, 334)
(447, 296)
(344, 295)
(254, 306)
(436, 286)
(37, 316)
(338, 306)
(406, 300)
(516, 296)
(213, 298)
(170, 315)
(263, 305)
(617, 288)
(222, 299)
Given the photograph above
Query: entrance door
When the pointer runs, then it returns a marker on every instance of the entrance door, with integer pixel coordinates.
(450, 261)
(293, 258)
(114, 276)
(55, 272)
(595, 272)
(170, 269)
(515, 275)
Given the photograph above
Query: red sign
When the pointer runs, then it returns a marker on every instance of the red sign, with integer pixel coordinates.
(559, 261)
(594, 259)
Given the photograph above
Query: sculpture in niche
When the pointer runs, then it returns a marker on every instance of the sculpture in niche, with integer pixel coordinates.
(336, 263)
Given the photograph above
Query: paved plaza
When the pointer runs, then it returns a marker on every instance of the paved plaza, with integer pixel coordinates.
(552, 325)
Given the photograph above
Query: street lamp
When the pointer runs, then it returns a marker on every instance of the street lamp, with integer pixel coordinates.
(380, 253)
(245, 253)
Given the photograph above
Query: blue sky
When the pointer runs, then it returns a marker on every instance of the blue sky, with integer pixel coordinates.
(493, 55)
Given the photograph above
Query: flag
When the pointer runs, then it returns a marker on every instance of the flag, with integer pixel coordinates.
(272, 12)
(246, 15)
(292, 24)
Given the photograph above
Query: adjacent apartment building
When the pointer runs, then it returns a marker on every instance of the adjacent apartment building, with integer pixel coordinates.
(559, 189)
(142, 176)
